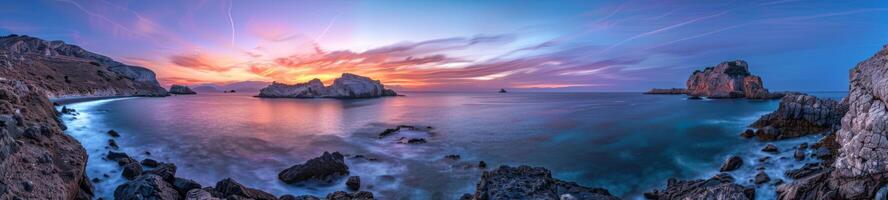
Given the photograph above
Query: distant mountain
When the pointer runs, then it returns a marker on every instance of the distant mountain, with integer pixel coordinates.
(240, 87)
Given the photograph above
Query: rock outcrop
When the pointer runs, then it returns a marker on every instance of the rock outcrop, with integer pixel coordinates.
(324, 169)
(730, 79)
(721, 186)
(347, 86)
(64, 70)
(181, 89)
(527, 182)
(800, 115)
(858, 171)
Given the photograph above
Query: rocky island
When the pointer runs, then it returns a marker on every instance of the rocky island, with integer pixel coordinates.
(181, 89)
(730, 79)
(348, 86)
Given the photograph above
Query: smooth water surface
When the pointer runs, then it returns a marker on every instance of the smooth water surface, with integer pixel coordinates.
(628, 143)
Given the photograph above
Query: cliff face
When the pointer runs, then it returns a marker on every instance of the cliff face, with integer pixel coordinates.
(346, 86)
(65, 70)
(37, 159)
(863, 156)
(727, 80)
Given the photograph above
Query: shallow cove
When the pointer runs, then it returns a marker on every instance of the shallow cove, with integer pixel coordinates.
(628, 143)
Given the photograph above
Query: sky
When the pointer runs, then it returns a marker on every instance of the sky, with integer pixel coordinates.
(468, 45)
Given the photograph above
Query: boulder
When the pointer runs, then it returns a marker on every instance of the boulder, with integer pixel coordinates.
(148, 186)
(131, 170)
(800, 115)
(181, 89)
(148, 162)
(183, 186)
(229, 188)
(770, 148)
(762, 177)
(121, 158)
(165, 170)
(325, 168)
(199, 194)
(341, 195)
(346, 86)
(527, 182)
(799, 154)
(731, 164)
(353, 183)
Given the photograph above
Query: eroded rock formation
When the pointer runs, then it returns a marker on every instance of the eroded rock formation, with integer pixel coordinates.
(730, 79)
(346, 86)
(799, 115)
(181, 89)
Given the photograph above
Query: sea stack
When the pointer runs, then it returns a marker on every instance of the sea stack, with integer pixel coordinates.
(348, 86)
(181, 89)
(730, 79)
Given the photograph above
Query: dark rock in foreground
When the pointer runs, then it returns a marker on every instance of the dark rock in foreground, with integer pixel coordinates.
(800, 115)
(229, 189)
(526, 182)
(148, 186)
(341, 195)
(181, 89)
(347, 86)
(719, 187)
(324, 168)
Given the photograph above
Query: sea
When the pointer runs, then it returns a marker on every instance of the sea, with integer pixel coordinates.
(627, 143)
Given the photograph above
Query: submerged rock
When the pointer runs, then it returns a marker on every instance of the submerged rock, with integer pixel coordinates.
(346, 86)
(324, 168)
(800, 115)
(762, 177)
(181, 89)
(526, 182)
(353, 183)
(770, 148)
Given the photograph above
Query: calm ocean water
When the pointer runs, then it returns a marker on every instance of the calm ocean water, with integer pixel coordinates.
(628, 143)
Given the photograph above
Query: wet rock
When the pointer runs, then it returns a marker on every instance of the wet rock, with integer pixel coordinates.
(300, 197)
(148, 162)
(762, 177)
(131, 170)
(482, 164)
(764, 159)
(731, 164)
(806, 170)
(526, 182)
(325, 168)
(749, 133)
(800, 115)
(346, 86)
(770, 148)
(113, 144)
(165, 170)
(199, 194)
(229, 188)
(181, 90)
(799, 155)
(341, 195)
(713, 188)
(353, 183)
(121, 158)
(452, 157)
(695, 98)
(148, 186)
(113, 133)
(66, 110)
(183, 186)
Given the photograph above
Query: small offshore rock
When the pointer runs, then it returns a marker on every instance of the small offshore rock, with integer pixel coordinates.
(799, 155)
(482, 164)
(731, 164)
(353, 183)
(452, 157)
(770, 148)
(113, 144)
(113, 133)
(148, 162)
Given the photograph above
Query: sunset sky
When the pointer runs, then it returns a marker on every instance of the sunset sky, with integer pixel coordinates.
(468, 45)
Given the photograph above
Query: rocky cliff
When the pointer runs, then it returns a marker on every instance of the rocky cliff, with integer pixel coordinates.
(346, 86)
(37, 159)
(65, 70)
(799, 115)
(730, 79)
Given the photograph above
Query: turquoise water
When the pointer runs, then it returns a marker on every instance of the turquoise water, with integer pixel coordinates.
(628, 143)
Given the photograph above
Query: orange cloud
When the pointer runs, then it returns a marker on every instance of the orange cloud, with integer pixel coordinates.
(198, 62)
